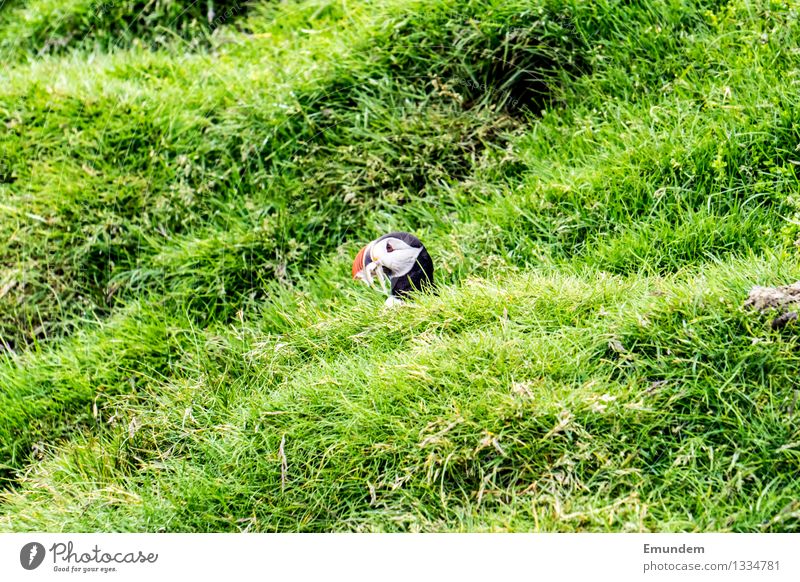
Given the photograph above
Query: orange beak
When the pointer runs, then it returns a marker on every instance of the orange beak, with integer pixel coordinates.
(358, 263)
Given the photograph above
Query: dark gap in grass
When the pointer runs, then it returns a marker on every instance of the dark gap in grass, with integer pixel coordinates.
(511, 62)
(121, 23)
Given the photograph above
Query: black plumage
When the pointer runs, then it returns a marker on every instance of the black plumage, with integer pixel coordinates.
(420, 277)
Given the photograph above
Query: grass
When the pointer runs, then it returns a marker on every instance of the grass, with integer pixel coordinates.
(599, 185)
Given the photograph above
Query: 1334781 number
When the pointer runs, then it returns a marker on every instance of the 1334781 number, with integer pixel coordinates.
(758, 565)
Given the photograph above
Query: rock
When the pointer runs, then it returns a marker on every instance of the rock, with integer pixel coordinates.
(781, 321)
(763, 298)
(783, 299)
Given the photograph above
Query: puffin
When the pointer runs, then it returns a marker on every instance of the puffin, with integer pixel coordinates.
(398, 258)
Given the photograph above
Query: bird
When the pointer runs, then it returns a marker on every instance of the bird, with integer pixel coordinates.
(400, 258)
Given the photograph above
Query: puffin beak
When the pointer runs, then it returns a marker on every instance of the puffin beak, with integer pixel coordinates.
(359, 262)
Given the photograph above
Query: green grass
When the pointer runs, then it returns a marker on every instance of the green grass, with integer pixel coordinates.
(599, 185)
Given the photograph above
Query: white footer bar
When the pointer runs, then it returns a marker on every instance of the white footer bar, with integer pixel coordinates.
(401, 557)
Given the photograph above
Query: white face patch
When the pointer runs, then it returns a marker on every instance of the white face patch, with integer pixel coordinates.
(397, 256)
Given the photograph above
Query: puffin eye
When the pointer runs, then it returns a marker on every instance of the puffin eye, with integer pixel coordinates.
(389, 247)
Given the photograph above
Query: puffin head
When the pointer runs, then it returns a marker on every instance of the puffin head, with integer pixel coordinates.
(398, 257)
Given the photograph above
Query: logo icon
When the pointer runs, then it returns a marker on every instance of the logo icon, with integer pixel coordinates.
(31, 555)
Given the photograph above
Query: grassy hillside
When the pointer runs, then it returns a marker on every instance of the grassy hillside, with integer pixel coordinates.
(183, 187)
